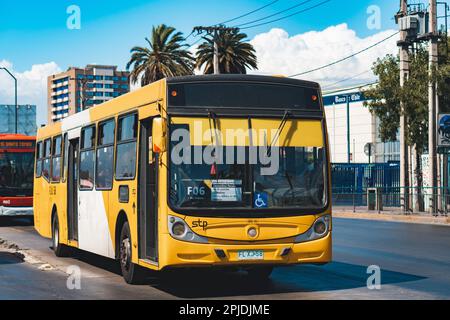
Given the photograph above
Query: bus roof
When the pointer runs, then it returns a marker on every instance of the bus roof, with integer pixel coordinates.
(243, 78)
(154, 92)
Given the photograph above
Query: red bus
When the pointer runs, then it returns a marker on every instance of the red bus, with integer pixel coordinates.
(16, 174)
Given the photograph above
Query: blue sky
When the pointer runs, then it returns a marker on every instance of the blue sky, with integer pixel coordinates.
(35, 32)
(35, 41)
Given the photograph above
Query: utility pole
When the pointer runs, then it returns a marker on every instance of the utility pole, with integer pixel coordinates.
(214, 31)
(216, 54)
(432, 104)
(403, 44)
(15, 99)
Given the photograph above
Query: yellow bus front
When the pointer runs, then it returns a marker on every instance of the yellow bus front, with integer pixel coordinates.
(244, 187)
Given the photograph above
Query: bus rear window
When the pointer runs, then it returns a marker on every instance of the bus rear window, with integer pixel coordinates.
(240, 94)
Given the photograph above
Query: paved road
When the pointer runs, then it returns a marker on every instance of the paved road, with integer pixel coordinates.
(414, 261)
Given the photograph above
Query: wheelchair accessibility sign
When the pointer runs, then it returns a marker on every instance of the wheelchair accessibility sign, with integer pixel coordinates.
(260, 200)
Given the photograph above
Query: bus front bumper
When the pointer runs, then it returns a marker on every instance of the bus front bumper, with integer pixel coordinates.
(15, 211)
(180, 253)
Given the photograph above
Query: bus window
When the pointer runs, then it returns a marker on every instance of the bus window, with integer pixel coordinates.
(16, 172)
(65, 157)
(105, 155)
(46, 160)
(86, 166)
(56, 159)
(39, 156)
(126, 147)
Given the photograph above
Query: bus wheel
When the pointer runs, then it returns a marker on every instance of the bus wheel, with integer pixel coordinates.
(60, 249)
(260, 272)
(132, 273)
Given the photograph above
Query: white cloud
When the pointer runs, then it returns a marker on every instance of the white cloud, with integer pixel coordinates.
(31, 86)
(278, 53)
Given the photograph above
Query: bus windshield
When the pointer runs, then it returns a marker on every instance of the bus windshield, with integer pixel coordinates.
(16, 173)
(298, 182)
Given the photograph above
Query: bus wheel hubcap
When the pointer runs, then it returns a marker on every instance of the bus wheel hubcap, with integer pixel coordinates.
(125, 253)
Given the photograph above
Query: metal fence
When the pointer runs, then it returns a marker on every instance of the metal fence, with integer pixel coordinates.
(377, 186)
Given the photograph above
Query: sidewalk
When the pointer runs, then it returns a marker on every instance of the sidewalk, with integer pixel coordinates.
(389, 215)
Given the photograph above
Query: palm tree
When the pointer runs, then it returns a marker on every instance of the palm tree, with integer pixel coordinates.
(235, 56)
(165, 56)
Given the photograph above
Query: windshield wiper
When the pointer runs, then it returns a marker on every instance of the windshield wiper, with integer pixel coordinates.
(286, 115)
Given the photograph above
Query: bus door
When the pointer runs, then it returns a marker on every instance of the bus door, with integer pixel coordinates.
(72, 190)
(148, 216)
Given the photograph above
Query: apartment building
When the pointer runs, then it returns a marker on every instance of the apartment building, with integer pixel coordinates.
(80, 88)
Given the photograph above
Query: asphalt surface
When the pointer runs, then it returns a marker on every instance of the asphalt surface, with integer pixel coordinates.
(414, 260)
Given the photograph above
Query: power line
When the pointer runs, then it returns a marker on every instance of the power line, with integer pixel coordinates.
(249, 13)
(274, 14)
(193, 44)
(346, 79)
(351, 88)
(239, 17)
(343, 59)
(288, 16)
(190, 34)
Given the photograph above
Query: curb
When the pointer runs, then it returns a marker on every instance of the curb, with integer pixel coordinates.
(445, 221)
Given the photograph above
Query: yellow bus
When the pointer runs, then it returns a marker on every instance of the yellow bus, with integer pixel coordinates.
(212, 170)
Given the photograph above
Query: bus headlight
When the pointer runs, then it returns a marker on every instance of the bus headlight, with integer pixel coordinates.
(179, 230)
(318, 230)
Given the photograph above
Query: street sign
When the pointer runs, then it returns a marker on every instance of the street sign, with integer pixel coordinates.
(342, 98)
(443, 134)
(368, 147)
(368, 150)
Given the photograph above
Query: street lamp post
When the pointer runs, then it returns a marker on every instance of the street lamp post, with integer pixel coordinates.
(15, 95)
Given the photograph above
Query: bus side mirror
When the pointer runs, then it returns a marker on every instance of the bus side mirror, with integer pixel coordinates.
(159, 135)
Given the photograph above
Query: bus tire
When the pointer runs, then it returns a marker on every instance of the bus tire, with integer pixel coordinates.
(259, 273)
(59, 249)
(132, 273)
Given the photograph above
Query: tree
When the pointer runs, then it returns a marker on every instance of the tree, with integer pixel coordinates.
(384, 100)
(235, 55)
(165, 56)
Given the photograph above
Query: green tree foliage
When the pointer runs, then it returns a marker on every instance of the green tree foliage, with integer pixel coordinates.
(384, 98)
(165, 56)
(235, 55)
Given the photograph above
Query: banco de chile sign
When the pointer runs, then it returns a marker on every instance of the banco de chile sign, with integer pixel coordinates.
(342, 98)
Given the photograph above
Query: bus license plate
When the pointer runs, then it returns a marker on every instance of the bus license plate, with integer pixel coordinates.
(250, 254)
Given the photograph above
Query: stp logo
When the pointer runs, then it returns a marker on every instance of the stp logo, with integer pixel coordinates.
(6, 202)
(200, 223)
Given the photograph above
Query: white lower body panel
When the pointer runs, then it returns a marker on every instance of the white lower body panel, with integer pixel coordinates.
(93, 228)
